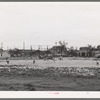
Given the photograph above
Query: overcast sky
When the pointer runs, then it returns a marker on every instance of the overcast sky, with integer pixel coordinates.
(44, 23)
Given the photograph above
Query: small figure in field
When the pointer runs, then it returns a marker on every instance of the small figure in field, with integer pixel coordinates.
(7, 60)
(60, 58)
(33, 61)
(97, 63)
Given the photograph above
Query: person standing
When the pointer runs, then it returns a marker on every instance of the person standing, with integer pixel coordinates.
(97, 63)
(7, 60)
(33, 61)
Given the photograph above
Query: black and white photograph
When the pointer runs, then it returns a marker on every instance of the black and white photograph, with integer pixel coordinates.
(49, 46)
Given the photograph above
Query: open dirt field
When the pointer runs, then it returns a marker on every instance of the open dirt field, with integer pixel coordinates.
(66, 62)
(69, 74)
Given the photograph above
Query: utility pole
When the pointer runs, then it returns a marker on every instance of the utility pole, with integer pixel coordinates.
(55, 43)
(47, 47)
(31, 47)
(39, 50)
(1, 49)
(31, 51)
(38, 47)
(55, 48)
(41, 47)
(1, 45)
(23, 48)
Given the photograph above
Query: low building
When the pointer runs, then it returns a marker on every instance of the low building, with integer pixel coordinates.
(98, 47)
(97, 52)
(59, 51)
(20, 52)
(86, 52)
(83, 52)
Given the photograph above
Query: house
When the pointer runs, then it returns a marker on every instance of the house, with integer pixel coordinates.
(20, 52)
(89, 51)
(97, 52)
(98, 47)
(59, 51)
(86, 52)
(83, 51)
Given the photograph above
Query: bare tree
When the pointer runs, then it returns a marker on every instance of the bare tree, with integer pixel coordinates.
(63, 46)
(90, 49)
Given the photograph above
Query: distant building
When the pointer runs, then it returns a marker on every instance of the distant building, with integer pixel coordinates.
(83, 52)
(86, 52)
(20, 52)
(97, 51)
(98, 47)
(58, 51)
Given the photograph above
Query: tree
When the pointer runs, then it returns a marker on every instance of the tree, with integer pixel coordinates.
(72, 51)
(89, 50)
(14, 52)
(63, 46)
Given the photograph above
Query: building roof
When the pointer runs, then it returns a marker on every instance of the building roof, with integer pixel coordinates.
(56, 47)
(83, 48)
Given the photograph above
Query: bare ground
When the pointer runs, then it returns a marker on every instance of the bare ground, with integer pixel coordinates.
(14, 77)
(27, 83)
